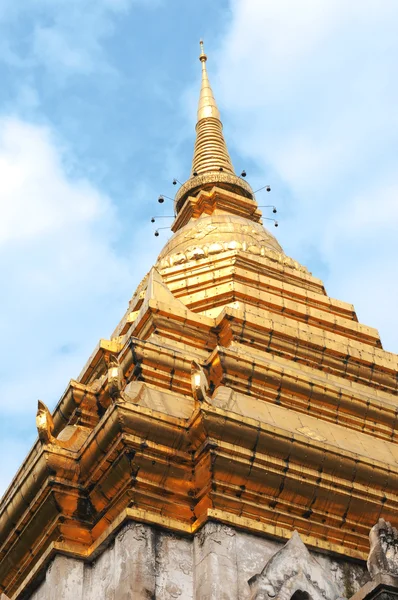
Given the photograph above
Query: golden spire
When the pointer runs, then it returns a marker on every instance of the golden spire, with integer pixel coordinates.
(210, 152)
(207, 104)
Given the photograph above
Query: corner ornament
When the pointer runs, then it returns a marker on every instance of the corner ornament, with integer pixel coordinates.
(44, 423)
(199, 383)
(115, 378)
(383, 555)
(70, 437)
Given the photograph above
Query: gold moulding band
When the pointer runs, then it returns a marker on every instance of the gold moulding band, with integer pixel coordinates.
(213, 177)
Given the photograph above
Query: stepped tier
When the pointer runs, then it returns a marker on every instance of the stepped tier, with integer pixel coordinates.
(233, 389)
(295, 428)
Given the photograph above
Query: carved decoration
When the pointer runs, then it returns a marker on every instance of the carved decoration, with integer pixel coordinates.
(200, 385)
(97, 384)
(44, 423)
(383, 555)
(71, 437)
(115, 377)
(292, 570)
(197, 252)
(222, 229)
(207, 178)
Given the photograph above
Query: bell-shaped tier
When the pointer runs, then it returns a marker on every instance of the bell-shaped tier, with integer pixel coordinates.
(215, 233)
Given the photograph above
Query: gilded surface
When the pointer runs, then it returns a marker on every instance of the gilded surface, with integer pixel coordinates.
(207, 104)
(206, 179)
(217, 233)
(233, 390)
(210, 153)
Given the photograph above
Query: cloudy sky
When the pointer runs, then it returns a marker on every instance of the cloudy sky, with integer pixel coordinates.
(97, 114)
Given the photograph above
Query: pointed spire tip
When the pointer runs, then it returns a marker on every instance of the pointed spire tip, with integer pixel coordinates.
(202, 56)
(210, 152)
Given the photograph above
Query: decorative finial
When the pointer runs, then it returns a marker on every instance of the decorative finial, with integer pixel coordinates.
(202, 56)
(210, 152)
(211, 162)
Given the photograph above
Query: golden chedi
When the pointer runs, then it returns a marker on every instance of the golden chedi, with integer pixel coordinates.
(235, 438)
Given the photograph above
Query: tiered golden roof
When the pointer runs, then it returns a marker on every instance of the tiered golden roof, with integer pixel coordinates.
(233, 389)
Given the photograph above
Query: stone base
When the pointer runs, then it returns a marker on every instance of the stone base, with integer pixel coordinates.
(144, 563)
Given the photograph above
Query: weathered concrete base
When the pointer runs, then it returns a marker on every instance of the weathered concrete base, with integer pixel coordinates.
(145, 563)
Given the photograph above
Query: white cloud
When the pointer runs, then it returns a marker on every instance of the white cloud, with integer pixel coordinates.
(312, 93)
(58, 267)
(63, 284)
(64, 36)
(33, 186)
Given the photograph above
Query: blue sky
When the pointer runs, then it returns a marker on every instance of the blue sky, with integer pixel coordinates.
(97, 115)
